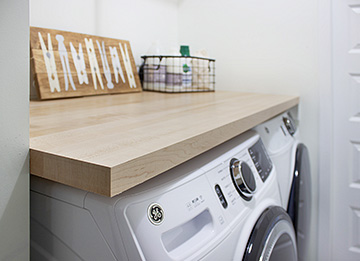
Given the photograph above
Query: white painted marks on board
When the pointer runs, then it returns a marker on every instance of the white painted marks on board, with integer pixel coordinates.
(65, 62)
(79, 62)
(50, 64)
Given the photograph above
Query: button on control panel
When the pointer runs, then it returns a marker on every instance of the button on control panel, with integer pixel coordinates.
(220, 195)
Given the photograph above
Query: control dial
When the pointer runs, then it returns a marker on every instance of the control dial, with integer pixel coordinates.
(243, 178)
(290, 125)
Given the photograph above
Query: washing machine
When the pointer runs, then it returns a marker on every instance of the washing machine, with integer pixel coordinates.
(291, 159)
(224, 204)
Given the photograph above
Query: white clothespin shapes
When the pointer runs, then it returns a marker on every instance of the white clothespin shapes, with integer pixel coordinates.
(79, 63)
(50, 64)
(94, 66)
(105, 64)
(128, 68)
(116, 64)
(65, 62)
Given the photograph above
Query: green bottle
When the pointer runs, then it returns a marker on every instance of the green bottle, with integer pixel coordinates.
(186, 66)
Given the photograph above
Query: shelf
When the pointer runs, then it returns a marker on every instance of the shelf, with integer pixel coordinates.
(108, 144)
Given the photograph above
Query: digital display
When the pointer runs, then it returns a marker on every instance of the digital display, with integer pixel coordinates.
(261, 159)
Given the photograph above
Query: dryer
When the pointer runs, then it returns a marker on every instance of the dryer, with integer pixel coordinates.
(222, 205)
(291, 160)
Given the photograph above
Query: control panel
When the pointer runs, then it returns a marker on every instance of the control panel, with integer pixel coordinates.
(261, 159)
(241, 173)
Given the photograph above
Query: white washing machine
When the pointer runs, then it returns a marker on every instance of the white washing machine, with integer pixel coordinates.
(222, 205)
(291, 160)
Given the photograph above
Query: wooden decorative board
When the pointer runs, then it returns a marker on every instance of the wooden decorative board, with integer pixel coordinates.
(66, 64)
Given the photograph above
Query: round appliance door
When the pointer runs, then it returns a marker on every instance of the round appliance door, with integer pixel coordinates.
(299, 207)
(273, 237)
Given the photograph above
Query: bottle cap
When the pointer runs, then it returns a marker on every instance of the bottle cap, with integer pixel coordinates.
(184, 50)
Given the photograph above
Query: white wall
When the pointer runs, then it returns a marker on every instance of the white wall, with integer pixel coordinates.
(326, 114)
(139, 21)
(14, 130)
(68, 15)
(263, 46)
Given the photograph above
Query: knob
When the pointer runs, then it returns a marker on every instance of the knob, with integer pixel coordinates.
(290, 125)
(243, 178)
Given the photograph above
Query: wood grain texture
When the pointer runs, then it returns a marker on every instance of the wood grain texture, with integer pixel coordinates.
(108, 144)
(39, 70)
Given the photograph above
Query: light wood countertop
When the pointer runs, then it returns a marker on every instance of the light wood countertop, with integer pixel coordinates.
(108, 144)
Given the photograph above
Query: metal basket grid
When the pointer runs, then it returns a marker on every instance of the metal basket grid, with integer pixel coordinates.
(169, 73)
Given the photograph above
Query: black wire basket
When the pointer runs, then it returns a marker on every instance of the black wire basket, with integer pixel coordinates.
(171, 73)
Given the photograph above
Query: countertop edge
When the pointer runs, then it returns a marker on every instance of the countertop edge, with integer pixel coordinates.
(83, 175)
(113, 180)
(145, 170)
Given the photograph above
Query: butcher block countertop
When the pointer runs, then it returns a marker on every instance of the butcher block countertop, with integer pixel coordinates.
(108, 144)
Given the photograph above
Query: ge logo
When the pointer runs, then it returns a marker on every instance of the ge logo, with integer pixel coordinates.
(155, 214)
